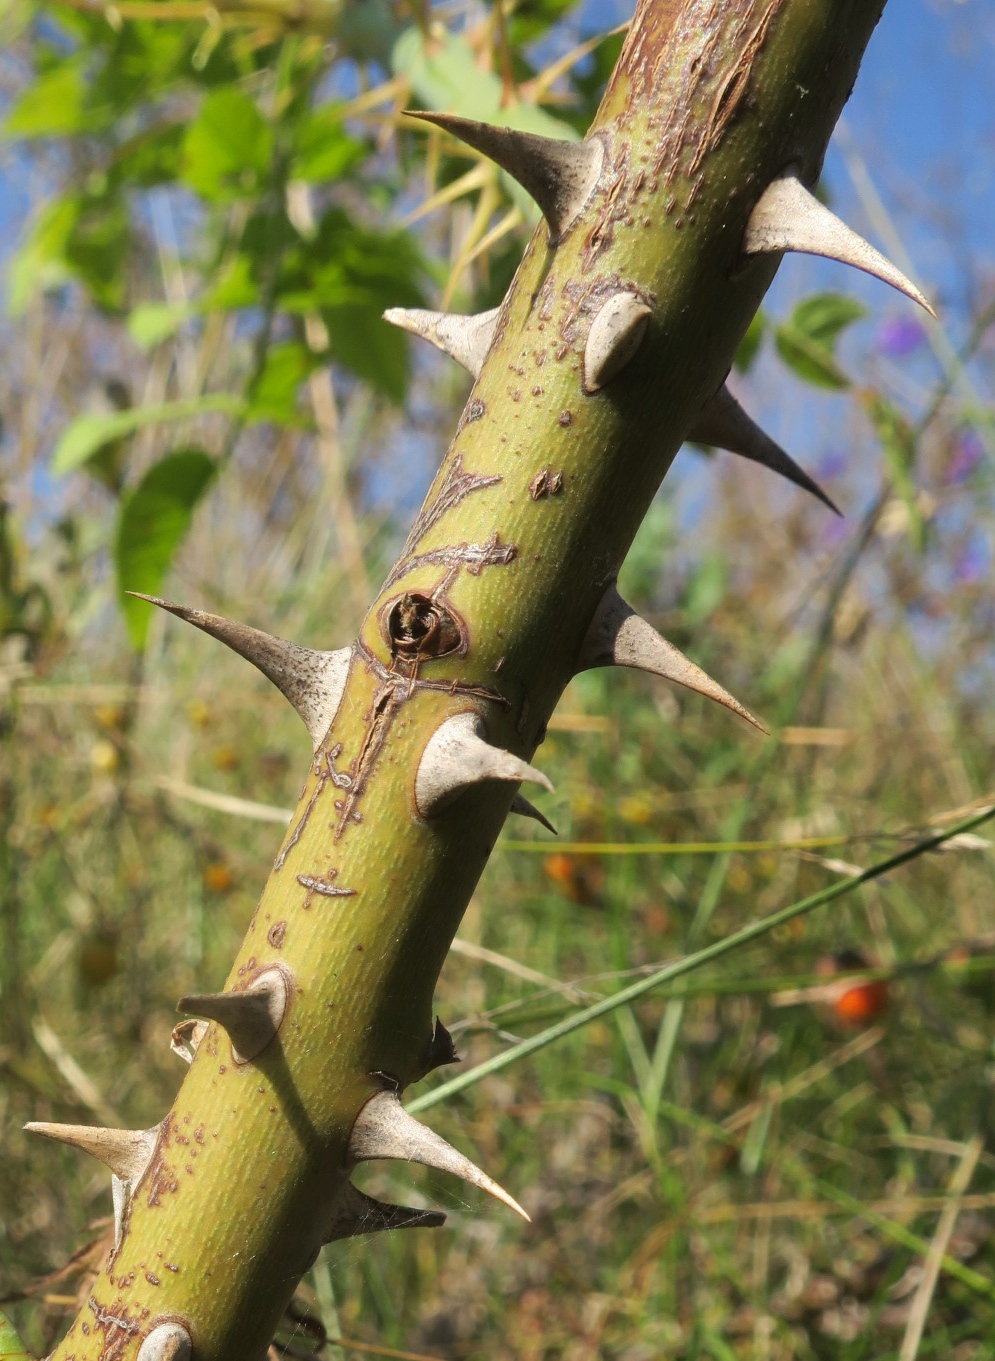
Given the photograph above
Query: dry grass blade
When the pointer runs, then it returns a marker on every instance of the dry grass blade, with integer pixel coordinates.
(476, 178)
(84, 1088)
(512, 967)
(959, 1183)
(224, 803)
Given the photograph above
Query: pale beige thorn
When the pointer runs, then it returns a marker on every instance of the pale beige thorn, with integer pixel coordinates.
(521, 805)
(384, 1129)
(620, 637)
(789, 217)
(464, 338)
(458, 756)
(354, 1213)
(186, 1037)
(722, 422)
(559, 175)
(168, 1342)
(127, 1152)
(251, 1018)
(616, 334)
(312, 681)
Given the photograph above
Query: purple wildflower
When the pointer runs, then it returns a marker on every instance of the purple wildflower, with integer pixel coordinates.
(833, 464)
(968, 451)
(833, 532)
(900, 336)
(973, 564)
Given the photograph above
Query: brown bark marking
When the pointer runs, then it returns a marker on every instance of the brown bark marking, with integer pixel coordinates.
(160, 1179)
(302, 821)
(713, 44)
(118, 1329)
(457, 485)
(385, 704)
(472, 556)
(546, 483)
(322, 884)
(733, 87)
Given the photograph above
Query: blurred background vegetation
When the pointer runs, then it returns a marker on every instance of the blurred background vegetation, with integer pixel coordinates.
(205, 209)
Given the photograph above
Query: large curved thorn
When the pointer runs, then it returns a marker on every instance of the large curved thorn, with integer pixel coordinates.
(559, 175)
(620, 637)
(521, 805)
(723, 423)
(251, 1018)
(788, 216)
(458, 756)
(384, 1129)
(312, 681)
(464, 338)
(354, 1213)
(127, 1152)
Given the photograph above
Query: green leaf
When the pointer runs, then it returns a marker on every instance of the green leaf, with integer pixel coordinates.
(52, 106)
(235, 288)
(366, 345)
(153, 157)
(706, 589)
(749, 346)
(228, 148)
(90, 433)
(40, 262)
(322, 149)
(11, 1346)
(274, 393)
(807, 342)
(898, 444)
(150, 323)
(152, 524)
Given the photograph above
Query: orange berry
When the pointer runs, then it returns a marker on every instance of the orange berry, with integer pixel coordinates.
(217, 877)
(579, 878)
(862, 1003)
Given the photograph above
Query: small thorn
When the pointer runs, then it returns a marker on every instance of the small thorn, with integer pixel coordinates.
(127, 1152)
(458, 756)
(384, 1129)
(520, 804)
(440, 1049)
(464, 338)
(722, 422)
(168, 1342)
(619, 637)
(559, 175)
(354, 1213)
(616, 334)
(788, 217)
(251, 1018)
(186, 1037)
(312, 681)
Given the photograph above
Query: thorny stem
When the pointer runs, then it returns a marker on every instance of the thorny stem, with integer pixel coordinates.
(481, 624)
